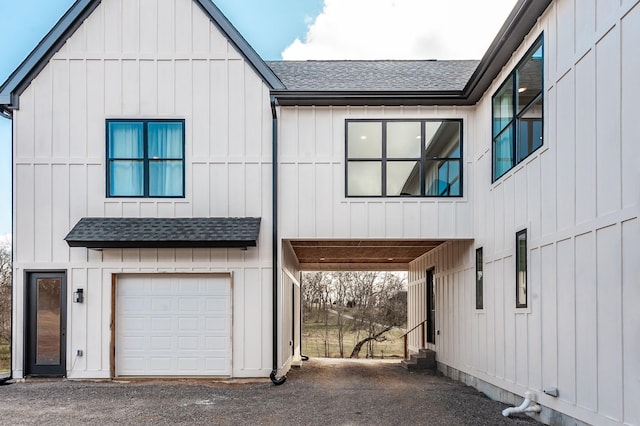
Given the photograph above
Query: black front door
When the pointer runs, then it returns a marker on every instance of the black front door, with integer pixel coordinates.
(46, 325)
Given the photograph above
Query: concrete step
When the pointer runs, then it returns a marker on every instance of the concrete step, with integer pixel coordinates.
(425, 359)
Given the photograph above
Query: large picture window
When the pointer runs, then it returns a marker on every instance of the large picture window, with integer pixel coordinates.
(398, 158)
(145, 158)
(517, 113)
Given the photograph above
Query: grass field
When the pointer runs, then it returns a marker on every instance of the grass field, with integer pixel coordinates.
(5, 357)
(313, 340)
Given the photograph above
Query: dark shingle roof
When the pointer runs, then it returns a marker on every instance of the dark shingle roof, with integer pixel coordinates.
(95, 232)
(427, 75)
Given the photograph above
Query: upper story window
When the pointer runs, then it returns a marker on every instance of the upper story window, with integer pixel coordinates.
(412, 158)
(145, 158)
(517, 113)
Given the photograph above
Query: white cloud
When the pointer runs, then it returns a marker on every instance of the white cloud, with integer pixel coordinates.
(401, 29)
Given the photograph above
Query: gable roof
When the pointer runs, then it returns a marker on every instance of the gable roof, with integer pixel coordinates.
(223, 232)
(73, 19)
(428, 75)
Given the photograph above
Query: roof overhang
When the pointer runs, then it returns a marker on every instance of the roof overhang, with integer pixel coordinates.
(215, 232)
(327, 98)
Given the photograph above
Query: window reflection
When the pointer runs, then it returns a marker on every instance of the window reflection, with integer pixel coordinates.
(404, 158)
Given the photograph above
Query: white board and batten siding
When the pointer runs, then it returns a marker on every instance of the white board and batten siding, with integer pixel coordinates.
(312, 197)
(578, 198)
(143, 59)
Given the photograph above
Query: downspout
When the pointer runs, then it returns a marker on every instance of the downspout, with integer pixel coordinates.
(525, 407)
(274, 235)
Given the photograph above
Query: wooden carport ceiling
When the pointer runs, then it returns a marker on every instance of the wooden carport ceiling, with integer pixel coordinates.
(360, 254)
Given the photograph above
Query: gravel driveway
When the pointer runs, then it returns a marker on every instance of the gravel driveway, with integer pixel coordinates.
(322, 392)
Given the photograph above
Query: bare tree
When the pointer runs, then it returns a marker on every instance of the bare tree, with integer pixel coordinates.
(5, 292)
(384, 298)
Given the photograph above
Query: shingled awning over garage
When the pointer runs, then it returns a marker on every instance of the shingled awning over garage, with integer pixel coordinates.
(94, 232)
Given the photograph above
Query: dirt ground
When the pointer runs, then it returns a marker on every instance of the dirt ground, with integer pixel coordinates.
(322, 392)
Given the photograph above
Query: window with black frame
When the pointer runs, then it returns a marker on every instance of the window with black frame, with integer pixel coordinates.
(521, 269)
(404, 158)
(517, 113)
(479, 279)
(145, 158)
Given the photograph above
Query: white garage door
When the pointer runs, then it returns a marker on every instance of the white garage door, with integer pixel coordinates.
(173, 325)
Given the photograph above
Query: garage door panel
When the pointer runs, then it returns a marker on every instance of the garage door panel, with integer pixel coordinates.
(176, 325)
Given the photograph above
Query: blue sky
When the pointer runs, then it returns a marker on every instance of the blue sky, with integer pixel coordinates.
(289, 29)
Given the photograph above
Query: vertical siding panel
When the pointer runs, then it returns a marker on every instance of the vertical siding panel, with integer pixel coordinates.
(24, 125)
(252, 192)
(201, 115)
(78, 110)
(490, 309)
(306, 208)
(200, 27)
(237, 186)
(375, 218)
(77, 204)
(521, 346)
(288, 131)
(165, 88)
(149, 88)
(358, 219)
(446, 219)
(566, 309)
(549, 316)
(411, 216)
(183, 24)
(508, 218)
(604, 12)
(429, 218)
(289, 191)
(548, 190)
(609, 307)
(78, 325)
(43, 113)
(24, 222)
(219, 198)
(95, 191)
(166, 10)
(393, 215)
(566, 33)
(608, 122)
(566, 176)
(340, 210)
(113, 30)
(585, 23)
(323, 192)
(112, 87)
(499, 312)
(630, 34)
(253, 112)
(130, 25)
(497, 217)
(236, 108)
(43, 218)
(534, 199)
(253, 315)
(183, 95)
(323, 129)
(586, 322)
(91, 128)
(94, 322)
(219, 116)
(131, 209)
(585, 125)
(631, 322)
(94, 31)
(60, 212)
(306, 133)
(131, 87)
(60, 131)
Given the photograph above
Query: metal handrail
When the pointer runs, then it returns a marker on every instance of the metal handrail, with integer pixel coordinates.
(406, 337)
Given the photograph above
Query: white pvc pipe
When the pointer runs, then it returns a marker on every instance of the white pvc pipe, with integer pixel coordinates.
(525, 407)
